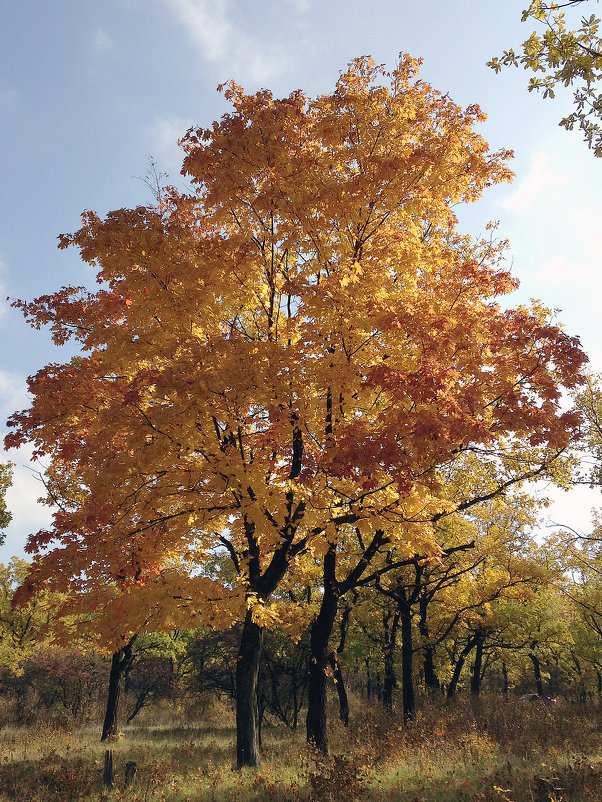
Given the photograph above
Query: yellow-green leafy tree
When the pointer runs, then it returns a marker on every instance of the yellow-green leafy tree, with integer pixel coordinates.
(564, 51)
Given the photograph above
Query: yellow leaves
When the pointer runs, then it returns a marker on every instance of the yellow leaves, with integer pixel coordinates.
(352, 275)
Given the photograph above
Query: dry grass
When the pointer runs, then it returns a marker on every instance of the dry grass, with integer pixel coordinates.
(496, 750)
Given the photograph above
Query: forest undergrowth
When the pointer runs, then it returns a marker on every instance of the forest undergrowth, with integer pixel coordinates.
(495, 749)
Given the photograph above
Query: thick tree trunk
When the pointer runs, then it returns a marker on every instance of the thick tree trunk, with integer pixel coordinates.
(407, 664)
(320, 634)
(431, 680)
(120, 663)
(537, 671)
(247, 676)
(475, 680)
(505, 676)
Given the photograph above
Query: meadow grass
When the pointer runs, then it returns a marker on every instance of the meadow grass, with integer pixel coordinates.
(493, 750)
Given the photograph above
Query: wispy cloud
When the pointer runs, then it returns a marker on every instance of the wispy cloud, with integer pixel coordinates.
(22, 497)
(9, 96)
(162, 142)
(3, 301)
(223, 43)
(541, 180)
(559, 269)
(101, 41)
(552, 220)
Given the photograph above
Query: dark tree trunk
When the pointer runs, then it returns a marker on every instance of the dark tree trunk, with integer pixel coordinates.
(120, 664)
(337, 675)
(475, 680)
(320, 634)
(247, 676)
(431, 680)
(368, 680)
(537, 671)
(451, 690)
(390, 642)
(505, 676)
(407, 664)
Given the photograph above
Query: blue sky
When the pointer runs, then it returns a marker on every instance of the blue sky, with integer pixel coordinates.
(90, 90)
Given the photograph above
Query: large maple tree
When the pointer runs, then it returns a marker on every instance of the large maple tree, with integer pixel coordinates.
(297, 344)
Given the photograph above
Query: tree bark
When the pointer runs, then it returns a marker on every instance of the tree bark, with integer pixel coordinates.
(536, 670)
(451, 690)
(390, 642)
(320, 634)
(431, 680)
(475, 680)
(337, 675)
(407, 664)
(120, 663)
(247, 677)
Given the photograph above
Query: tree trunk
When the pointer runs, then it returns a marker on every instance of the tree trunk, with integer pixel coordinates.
(389, 678)
(537, 670)
(337, 675)
(431, 680)
(247, 676)
(320, 634)
(407, 664)
(119, 664)
(451, 690)
(475, 680)
(505, 676)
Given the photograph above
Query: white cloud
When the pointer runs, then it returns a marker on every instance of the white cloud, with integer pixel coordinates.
(559, 269)
(540, 181)
(299, 6)
(226, 45)
(162, 142)
(552, 221)
(101, 41)
(13, 393)
(21, 498)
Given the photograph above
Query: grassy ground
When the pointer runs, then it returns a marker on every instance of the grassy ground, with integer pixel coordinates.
(495, 751)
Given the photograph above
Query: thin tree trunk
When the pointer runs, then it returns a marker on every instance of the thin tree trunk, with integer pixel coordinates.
(431, 680)
(389, 678)
(247, 676)
(407, 664)
(337, 675)
(120, 663)
(475, 680)
(320, 634)
(451, 690)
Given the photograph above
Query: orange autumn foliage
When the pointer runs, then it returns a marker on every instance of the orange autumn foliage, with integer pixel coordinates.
(298, 343)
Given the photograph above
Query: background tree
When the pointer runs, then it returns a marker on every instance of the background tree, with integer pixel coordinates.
(561, 55)
(5, 482)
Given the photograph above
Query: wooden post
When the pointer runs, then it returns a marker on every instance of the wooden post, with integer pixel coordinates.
(130, 773)
(107, 778)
